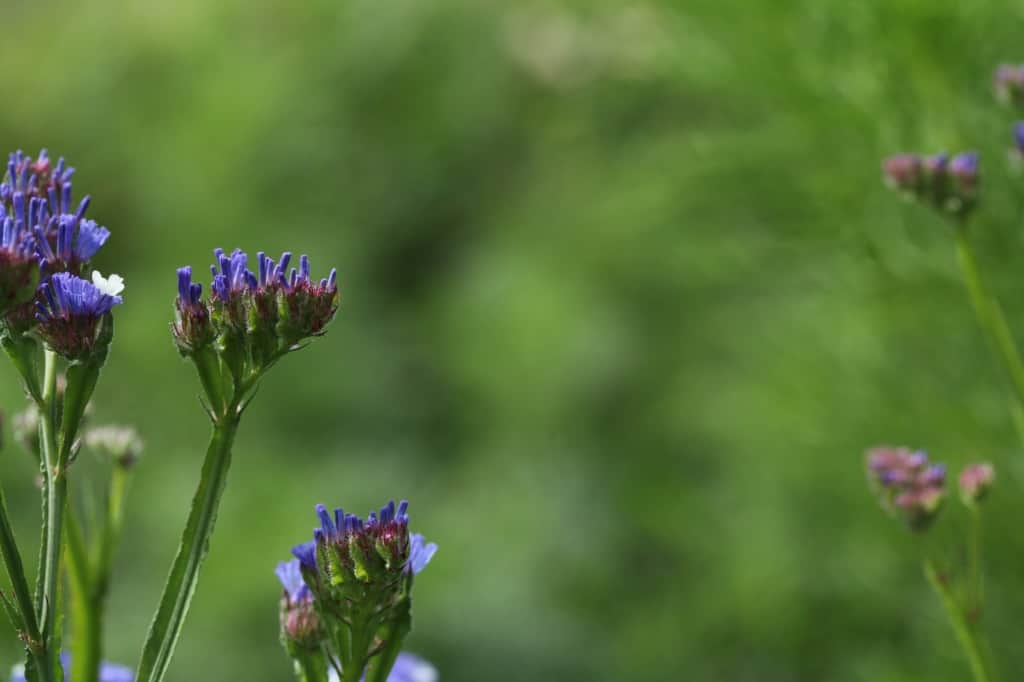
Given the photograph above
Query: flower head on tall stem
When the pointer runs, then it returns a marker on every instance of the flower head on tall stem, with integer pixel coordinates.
(71, 315)
(907, 484)
(948, 184)
(975, 482)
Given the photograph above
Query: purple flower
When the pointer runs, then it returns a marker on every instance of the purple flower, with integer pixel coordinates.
(69, 313)
(300, 622)
(109, 672)
(420, 553)
(408, 668)
(1008, 82)
(290, 575)
(907, 484)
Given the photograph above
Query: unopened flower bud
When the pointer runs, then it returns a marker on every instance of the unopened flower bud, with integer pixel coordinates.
(300, 623)
(975, 482)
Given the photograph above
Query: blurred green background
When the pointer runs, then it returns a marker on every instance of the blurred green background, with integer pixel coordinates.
(623, 303)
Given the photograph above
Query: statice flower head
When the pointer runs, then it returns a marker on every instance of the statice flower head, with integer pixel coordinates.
(19, 265)
(39, 178)
(408, 668)
(1008, 82)
(252, 318)
(66, 242)
(300, 623)
(109, 672)
(907, 484)
(74, 314)
(975, 482)
(360, 572)
(948, 184)
(192, 329)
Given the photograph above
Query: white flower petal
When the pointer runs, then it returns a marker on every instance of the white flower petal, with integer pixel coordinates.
(112, 286)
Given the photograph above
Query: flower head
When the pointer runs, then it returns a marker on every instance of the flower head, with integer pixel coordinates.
(949, 184)
(254, 316)
(907, 484)
(72, 314)
(121, 444)
(360, 572)
(975, 482)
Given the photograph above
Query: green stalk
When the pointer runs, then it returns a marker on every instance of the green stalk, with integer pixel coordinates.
(16, 572)
(310, 667)
(54, 497)
(86, 609)
(993, 322)
(966, 636)
(195, 541)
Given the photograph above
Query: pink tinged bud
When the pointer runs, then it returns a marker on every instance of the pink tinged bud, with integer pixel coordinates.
(903, 171)
(975, 481)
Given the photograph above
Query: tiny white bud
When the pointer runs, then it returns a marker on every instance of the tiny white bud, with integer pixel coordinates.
(112, 286)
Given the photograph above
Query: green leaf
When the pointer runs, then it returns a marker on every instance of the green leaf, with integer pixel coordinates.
(195, 541)
(16, 572)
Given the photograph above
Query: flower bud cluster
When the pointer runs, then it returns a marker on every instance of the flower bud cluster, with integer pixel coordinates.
(975, 482)
(252, 318)
(949, 185)
(74, 315)
(907, 484)
(360, 574)
(46, 243)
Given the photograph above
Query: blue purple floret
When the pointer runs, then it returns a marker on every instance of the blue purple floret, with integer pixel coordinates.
(69, 312)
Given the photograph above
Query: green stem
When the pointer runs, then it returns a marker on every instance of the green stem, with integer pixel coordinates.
(310, 667)
(181, 583)
(86, 608)
(54, 496)
(993, 322)
(965, 634)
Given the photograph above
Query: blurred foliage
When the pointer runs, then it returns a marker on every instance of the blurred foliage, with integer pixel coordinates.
(623, 303)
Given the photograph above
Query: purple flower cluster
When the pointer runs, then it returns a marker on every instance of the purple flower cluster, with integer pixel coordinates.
(948, 184)
(69, 311)
(263, 313)
(42, 235)
(907, 484)
(347, 547)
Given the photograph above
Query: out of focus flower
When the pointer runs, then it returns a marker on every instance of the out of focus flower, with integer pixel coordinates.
(408, 668)
(975, 482)
(907, 484)
(70, 315)
(109, 672)
(1008, 82)
(121, 444)
(949, 185)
